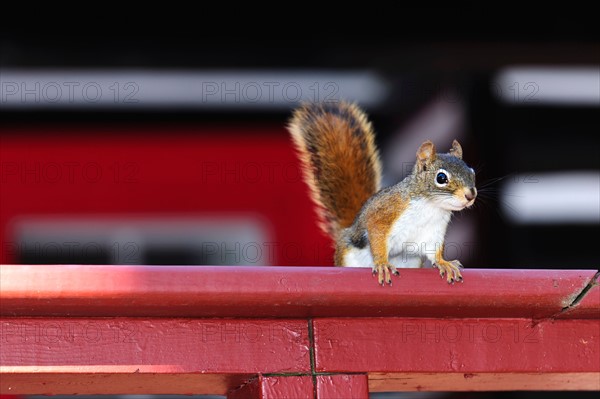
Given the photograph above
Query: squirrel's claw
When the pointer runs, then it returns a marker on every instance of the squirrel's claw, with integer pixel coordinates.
(384, 272)
(450, 270)
(457, 264)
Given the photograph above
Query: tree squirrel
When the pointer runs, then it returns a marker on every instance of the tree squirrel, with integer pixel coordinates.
(397, 226)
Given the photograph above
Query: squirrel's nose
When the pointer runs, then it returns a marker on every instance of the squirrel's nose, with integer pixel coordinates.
(471, 194)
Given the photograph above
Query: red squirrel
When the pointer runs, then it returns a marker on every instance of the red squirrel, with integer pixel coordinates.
(389, 228)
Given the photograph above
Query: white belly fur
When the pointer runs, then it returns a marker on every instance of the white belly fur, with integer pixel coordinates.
(416, 235)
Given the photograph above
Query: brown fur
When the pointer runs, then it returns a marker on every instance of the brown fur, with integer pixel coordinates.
(341, 164)
(425, 155)
(379, 219)
(340, 252)
(456, 150)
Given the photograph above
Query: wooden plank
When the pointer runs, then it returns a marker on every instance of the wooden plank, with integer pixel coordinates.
(251, 389)
(70, 329)
(587, 303)
(282, 292)
(484, 382)
(342, 386)
(76, 383)
(78, 348)
(471, 346)
(275, 387)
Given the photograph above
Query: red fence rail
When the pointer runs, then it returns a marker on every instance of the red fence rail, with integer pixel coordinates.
(302, 332)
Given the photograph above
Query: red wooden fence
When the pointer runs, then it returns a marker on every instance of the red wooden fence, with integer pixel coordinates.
(276, 332)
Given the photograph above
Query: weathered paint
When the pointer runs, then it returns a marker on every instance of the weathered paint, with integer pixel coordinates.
(294, 332)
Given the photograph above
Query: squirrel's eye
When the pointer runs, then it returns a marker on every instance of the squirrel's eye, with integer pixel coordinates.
(441, 179)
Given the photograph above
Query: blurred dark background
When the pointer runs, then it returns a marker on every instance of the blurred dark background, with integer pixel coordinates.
(164, 143)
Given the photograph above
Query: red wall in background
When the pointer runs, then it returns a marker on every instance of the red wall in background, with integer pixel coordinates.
(143, 171)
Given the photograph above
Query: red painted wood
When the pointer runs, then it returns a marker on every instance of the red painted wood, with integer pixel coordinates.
(291, 387)
(446, 348)
(195, 291)
(385, 382)
(155, 345)
(275, 387)
(130, 347)
(40, 383)
(250, 389)
(456, 345)
(342, 386)
(589, 305)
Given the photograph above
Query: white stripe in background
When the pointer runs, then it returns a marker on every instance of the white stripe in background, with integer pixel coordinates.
(184, 89)
(553, 198)
(574, 86)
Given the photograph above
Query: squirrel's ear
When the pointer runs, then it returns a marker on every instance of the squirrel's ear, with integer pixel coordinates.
(425, 154)
(456, 149)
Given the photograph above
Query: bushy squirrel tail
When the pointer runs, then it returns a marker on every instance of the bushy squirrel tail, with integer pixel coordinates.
(340, 160)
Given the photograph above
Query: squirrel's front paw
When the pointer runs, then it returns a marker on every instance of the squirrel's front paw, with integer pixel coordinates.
(450, 269)
(383, 271)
